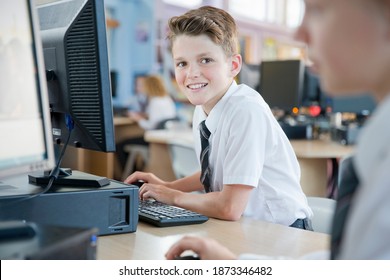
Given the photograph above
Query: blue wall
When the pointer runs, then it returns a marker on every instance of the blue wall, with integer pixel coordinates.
(132, 44)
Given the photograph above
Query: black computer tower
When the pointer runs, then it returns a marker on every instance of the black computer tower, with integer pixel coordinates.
(111, 209)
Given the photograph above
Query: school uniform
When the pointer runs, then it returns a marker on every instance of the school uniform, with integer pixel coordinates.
(248, 146)
(158, 109)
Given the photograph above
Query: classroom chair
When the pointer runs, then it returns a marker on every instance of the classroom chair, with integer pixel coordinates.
(183, 158)
(323, 210)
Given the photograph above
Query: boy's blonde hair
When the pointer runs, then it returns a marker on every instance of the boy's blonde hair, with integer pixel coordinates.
(154, 86)
(216, 23)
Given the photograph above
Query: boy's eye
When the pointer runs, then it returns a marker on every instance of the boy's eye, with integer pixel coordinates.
(205, 60)
(180, 64)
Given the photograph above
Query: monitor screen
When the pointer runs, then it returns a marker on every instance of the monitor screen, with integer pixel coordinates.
(281, 83)
(25, 142)
(76, 59)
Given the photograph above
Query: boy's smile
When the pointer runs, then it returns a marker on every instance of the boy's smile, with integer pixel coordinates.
(196, 86)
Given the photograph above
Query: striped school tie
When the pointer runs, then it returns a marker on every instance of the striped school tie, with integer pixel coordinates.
(348, 185)
(204, 156)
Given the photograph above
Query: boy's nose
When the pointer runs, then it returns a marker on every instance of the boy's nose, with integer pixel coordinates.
(193, 71)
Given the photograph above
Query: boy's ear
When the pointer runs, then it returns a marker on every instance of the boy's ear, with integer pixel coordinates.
(236, 64)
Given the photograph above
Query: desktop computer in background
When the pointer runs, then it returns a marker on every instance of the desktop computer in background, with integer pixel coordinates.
(281, 83)
(347, 115)
(281, 86)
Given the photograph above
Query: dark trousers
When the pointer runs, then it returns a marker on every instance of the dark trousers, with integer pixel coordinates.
(302, 224)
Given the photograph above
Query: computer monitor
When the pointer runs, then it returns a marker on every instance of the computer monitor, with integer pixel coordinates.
(25, 141)
(362, 104)
(76, 59)
(250, 75)
(311, 91)
(281, 83)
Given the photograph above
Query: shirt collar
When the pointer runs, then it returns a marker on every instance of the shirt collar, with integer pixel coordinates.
(215, 114)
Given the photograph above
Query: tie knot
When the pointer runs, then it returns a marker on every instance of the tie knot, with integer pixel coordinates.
(204, 131)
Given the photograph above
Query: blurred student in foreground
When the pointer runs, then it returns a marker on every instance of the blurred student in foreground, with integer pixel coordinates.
(349, 46)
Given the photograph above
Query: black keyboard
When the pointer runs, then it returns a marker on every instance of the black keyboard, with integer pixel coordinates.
(164, 215)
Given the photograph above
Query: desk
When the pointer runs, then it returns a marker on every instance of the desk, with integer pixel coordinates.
(125, 128)
(245, 236)
(313, 157)
(100, 163)
(159, 158)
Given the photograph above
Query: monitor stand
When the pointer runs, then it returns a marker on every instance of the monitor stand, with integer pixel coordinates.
(68, 179)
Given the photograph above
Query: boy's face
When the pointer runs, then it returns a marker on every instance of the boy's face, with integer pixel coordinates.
(348, 43)
(203, 72)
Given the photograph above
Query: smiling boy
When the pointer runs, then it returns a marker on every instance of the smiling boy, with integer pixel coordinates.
(253, 170)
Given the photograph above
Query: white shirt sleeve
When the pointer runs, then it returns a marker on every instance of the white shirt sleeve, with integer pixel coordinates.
(159, 109)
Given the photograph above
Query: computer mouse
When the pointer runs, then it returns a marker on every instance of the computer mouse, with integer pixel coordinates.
(188, 257)
(138, 183)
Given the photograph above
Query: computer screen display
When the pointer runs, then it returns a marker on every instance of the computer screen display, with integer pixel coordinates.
(25, 141)
(281, 83)
(76, 59)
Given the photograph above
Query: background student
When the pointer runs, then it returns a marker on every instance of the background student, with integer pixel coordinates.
(350, 56)
(160, 107)
(249, 166)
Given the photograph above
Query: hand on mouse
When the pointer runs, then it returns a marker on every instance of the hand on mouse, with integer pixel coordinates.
(205, 248)
(188, 257)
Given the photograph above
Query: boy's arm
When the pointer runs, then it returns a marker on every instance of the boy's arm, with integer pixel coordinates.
(228, 204)
(187, 184)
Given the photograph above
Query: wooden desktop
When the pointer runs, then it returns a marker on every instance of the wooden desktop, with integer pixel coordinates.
(315, 159)
(244, 236)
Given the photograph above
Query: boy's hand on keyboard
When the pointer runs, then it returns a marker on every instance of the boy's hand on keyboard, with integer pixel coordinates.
(159, 193)
(143, 176)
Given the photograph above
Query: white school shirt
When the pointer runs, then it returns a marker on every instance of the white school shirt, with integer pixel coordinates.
(248, 146)
(158, 109)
